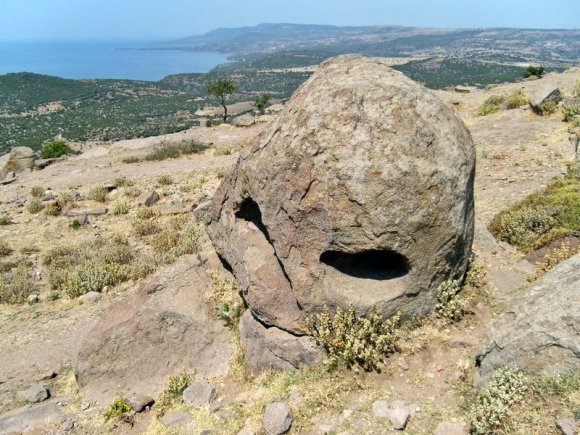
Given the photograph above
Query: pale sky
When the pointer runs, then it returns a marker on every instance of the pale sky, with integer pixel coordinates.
(169, 19)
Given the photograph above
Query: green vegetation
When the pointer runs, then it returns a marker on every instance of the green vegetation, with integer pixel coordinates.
(5, 220)
(5, 248)
(119, 407)
(221, 88)
(516, 99)
(262, 101)
(16, 282)
(354, 341)
(166, 150)
(98, 194)
(491, 407)
(450, 306)
(120, 208)
(534, 221)
(55, 149)
(537, 71)
(547, 108)
(171, 394)
(491, 105)
(35, 206)
(228, 304)
(165, 180)
(571, 111)
(37, 191)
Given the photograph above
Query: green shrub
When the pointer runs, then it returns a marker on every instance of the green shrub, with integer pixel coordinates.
(98, 194)
(570, 111)
(165, 150)
(165, 180)
(132, 159)
(171, 395)
(522, 226)
(450, 306)
(491, 407)
(352, 340)
(122, 182)
(5, 249)
(120, 208)
(16, 285)
(119, 406)
(533, 70)
(142, 227)
(55, 149)
(37, 191)
(146, 213)
(576, 89)
(35, 206)
(546, 108)
(491, 105)
(175, 240)
(93, 276)
(52, 210)
(132, 192)
(516, 99)
(75, 224)
(5, 220)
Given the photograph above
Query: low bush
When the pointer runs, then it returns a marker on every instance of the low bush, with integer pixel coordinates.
(55, 149)
(143, 227)
(180, 236)
(5, 220)
(165, 150)
(52, 209)
(352, 340)
(524, 225)
(35, 206)
(132, 159)
(131, 192)
(165, 180)
(37, 191)
(98, 194)
(532, 70)
(224, 294)
(146, 213)
(516, 99)
(450, 305)
(16, 284)
(171, 394)
(570, 110)
(5, 249)
(547, 108)
(490, 409)
(491, 105)
(119, 407)
(120, 208)
(122, 182)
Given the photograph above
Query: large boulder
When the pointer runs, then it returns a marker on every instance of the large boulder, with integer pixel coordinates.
(17, 160)
(545, 95)
(156, 330)
(360, 193)
(540, 333)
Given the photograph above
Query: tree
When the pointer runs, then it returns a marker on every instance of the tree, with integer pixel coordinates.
(221, 88)
(262, 101)
(532, 70)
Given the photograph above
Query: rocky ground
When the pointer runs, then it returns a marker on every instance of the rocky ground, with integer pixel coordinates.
(517, 152)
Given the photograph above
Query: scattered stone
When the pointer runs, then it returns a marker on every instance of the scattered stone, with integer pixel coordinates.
(566, 425)
(33, 299)
(403, 365)
(36, 393)
(96, 211)
(381, 408)
(85, 406)
(176, 418)
(46, 376)
(448, 428)
(545, 95)
(199, 394)
(245, 120)
(277, 418)
(92, 297)
(10, 178)
(201, 208)
(538, 333)
(399, 417)
(302, 217)
(48, 195)
(110, 186)
(148, 198)
(463, 89)
(67, 425)
(140, 402)
(84, 219)
(20, 419)
(263, 347)
(43, 163)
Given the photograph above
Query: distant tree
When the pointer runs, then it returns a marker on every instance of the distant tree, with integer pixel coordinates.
(532, 70)
(221, 89)
(262, 101)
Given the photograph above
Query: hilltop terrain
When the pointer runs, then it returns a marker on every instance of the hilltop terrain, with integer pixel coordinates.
(168, 265)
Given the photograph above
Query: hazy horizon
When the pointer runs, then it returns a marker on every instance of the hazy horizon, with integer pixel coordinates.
(65, 20)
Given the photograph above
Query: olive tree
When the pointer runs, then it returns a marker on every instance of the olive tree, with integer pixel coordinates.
(221, 89)
(262, 101)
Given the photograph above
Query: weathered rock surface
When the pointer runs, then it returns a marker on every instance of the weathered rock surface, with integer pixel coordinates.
(245, 120)
(161, 327)
(567, 426)
(448, 428)
(360, 193)
(95, 211)
(199, 394)
(545, 95)
(277, 418)
(540, 332)
(266, 348)
(140, 402)
(18, 420)
(176, 418)
(17, 160)
(35, 393)
(148, 198)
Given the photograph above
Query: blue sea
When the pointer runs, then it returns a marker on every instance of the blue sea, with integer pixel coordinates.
(103, 59)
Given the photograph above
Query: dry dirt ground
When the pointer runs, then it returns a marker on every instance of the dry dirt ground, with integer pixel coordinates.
(518, 152)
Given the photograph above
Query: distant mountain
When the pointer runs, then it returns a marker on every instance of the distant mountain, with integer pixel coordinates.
(553, 47)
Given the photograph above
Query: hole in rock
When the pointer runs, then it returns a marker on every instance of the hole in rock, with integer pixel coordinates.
(372, 264)
(250, 211)
(227, 266)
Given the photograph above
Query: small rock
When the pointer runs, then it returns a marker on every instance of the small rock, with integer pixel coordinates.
(462, 89)
(244, 120)
(91, 297)
(448, 428)
(67, 425)
(199, 394)
(50, 374)
(36, 393)
(381, 409)
(85, 406)
(201, 208)
(277, 418)
(399, 418)
(96, 211)
(33, 299)
(206, 432)
(140, 402)
(403, 364)
(566, 425)
(148, 198)
(175, 418)
(110, 186)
